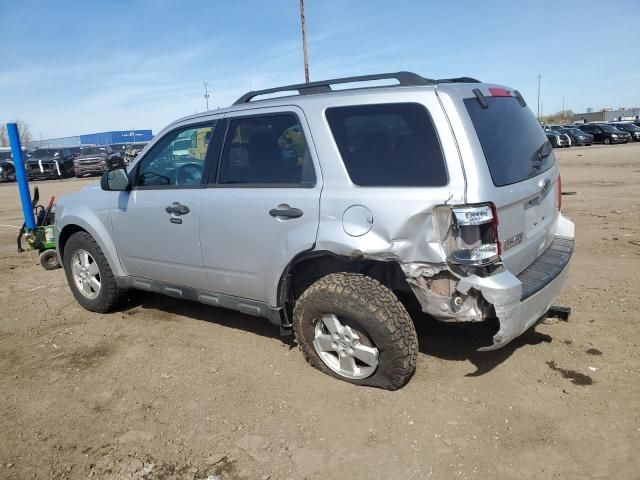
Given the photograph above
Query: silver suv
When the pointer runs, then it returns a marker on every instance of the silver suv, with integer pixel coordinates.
(319, 210)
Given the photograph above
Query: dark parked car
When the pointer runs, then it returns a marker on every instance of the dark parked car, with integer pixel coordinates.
(119, 149)
(132, 152)
(577, 136)
(50, 163)
(630, 128)
(558, 139)
(75, 150)
(96, 161)
(603, 133)
(7, 170)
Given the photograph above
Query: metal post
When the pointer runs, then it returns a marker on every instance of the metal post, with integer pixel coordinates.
(304, 43)
(21, 176)
(206, 94)
(539, 77)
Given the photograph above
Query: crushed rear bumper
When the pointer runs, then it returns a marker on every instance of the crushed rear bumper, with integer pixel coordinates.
(520, 301)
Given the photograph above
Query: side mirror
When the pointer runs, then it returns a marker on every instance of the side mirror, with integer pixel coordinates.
(115, 180)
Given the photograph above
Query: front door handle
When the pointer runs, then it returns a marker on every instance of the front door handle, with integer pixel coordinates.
(177, 209)
(285, 211)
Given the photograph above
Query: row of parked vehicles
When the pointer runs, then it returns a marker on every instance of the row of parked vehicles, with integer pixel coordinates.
(61, 162)
(594, 132)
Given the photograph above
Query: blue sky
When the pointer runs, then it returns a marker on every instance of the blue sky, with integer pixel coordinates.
(72, 67)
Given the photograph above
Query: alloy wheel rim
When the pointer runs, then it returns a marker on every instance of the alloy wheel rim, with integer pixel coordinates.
(86, 274)
(345, 350)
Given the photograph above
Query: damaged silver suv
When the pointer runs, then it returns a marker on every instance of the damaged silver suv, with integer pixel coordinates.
(322, 207)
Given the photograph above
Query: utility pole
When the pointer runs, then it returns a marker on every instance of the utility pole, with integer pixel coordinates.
(539, 77)
(563, 111)
(206, 94)
(304, 43)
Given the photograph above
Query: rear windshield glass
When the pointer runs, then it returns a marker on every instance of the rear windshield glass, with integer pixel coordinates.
(393, 144)
(511, 139)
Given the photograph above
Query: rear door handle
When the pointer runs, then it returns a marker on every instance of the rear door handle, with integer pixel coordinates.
(177, 209)
(285, 211)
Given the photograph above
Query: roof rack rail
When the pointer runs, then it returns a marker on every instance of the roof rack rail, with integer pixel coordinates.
(324, 86)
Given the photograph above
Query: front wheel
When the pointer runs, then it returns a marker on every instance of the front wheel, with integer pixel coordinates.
(607, 141)
(354, 328)
(89, 274)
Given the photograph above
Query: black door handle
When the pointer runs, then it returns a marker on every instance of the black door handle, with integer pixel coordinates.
(285, 211)
(177, 209)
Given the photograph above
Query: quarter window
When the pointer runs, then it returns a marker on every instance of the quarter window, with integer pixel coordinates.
(267, 149)
(177, 159)
(388, 145)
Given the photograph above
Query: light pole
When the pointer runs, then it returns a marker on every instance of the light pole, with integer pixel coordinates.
(304, 43)
(539, 77)
(206, 94)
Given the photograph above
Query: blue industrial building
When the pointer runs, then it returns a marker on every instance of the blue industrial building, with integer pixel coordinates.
(102, 138)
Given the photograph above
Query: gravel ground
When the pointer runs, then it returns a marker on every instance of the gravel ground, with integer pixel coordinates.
(168, 389)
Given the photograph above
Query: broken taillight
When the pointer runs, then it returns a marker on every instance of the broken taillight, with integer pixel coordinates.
(474, 235)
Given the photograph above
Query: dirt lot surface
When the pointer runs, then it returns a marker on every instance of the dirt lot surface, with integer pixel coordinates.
(168, 389)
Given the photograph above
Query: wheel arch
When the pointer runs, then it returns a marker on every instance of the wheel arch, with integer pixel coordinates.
(309, 266)
(73, 224)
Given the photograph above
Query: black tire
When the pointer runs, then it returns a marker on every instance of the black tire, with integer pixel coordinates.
(368, 306)
(607, 141)
(49, 259)
(110, 294)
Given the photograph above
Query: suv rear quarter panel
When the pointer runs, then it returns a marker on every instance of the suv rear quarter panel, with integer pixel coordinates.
(401, 218)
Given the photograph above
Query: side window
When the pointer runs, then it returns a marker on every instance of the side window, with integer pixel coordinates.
(266, 150)
(388, 145)
(177, 159)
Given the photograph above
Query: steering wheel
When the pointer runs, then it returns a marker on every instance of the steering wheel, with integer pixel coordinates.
(189, 174)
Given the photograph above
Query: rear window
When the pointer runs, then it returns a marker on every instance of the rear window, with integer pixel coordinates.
(511, 138)
(388, 145)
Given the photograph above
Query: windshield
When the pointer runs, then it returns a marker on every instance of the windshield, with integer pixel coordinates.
(119, 147)
(5, 155)
(627, 127)
(93, 150)
(575, 131)
(46, 153)
(609, 128)
(511, 139)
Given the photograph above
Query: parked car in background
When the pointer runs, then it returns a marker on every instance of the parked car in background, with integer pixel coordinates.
(577, 136)
(96, 160)
(604, 133)
(558, 139)
(632, 129)
(7, 170)
(133, 150)
(56, 162)
(75, 150)
(119, 149)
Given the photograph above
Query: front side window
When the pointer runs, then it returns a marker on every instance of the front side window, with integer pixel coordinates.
(268, 149)
(388, 145)
(177, 159)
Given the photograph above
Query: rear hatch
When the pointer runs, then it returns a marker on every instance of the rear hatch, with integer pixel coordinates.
(508, 161)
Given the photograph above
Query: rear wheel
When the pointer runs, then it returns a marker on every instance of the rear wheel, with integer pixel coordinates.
(607, 141)
(89, 274)
(354, 328)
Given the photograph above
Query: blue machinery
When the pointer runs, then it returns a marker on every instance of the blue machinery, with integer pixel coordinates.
(21, 177)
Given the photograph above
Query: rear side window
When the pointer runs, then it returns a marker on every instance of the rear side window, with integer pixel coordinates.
(266, 150)
(388, 145)
(511, 139)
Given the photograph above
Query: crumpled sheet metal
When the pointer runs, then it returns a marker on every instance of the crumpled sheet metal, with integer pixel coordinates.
(504, 291)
